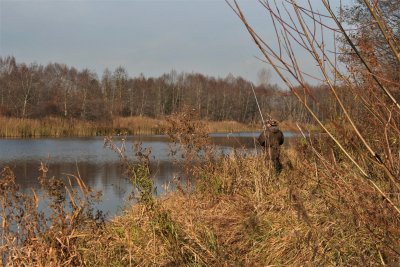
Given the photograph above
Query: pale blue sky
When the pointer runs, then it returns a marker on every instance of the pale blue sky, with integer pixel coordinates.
(149, 37)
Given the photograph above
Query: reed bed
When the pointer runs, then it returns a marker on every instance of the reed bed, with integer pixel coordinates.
(61, 127)
(230, 126)
(50, 127)
(138, 125)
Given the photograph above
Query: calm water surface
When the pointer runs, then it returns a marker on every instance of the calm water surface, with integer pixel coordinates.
(100, 167)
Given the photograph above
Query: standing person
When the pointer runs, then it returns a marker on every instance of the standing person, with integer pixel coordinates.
(271, 139)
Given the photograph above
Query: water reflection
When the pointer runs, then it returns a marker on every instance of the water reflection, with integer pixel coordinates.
(100, 167)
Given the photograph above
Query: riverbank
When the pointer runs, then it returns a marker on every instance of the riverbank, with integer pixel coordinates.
(240, 213)
(319, 211)
(59, 127)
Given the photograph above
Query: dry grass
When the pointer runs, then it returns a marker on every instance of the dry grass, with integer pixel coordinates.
(30, 237)
(228, 126)
(138, 125)
(241, 214)
(146, 125)
(51, 126)
(320, 211)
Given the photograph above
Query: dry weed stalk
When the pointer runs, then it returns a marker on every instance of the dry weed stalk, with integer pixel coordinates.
(190, 137)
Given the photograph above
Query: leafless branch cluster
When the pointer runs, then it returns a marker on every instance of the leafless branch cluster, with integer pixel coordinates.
(367, 132)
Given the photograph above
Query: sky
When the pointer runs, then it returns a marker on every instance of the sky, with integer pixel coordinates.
(149, 37)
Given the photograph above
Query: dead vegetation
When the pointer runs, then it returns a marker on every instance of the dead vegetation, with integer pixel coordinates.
(31, 235)
(318, 211)
(135, 125)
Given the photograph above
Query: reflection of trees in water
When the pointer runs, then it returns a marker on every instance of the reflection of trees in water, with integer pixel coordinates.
(163, 173)
(103, 175)
(106, 177)
(26, 174)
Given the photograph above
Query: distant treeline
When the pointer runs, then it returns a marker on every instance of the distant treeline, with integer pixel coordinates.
(36, 91)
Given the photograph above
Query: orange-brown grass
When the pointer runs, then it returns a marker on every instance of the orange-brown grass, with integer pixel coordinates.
(29, 237)
(319, 211)
(228, 126)
(139, 125)
(147, 125)
(58, 127)
(50, 126)
(242, 214)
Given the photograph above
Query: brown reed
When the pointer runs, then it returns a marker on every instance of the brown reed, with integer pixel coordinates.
(318, 211)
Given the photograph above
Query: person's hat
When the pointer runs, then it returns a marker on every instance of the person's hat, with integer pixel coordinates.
(271, 122)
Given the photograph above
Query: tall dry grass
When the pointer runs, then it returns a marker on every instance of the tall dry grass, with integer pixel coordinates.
(242, 214)
(51, 126)
(138, 125)
(229, 126)
(31, 236)
(319, 212)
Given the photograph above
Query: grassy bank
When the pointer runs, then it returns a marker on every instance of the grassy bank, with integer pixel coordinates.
(320, 211)
(243, 215)
(240, 214)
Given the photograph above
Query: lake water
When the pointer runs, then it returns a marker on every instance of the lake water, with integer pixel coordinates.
(100, 167)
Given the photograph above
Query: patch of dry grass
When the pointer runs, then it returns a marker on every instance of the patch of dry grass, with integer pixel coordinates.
(31, 237)
(138, 125)
(51, 126)
(228, 126)
(320, 211)
(242, 214)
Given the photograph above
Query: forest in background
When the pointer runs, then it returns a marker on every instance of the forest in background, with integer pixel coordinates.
(58, 90)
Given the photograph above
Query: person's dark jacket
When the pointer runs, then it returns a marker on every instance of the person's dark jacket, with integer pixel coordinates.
(271, 139)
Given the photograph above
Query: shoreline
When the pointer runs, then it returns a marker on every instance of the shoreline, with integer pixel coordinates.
(59, 127)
